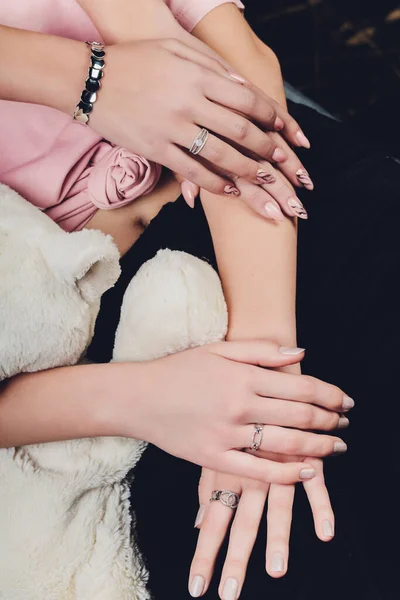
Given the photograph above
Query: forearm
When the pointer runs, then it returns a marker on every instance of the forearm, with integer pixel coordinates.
(69, 403)
(126, 20)
(256, 257)
(41, 69)
(227, 32)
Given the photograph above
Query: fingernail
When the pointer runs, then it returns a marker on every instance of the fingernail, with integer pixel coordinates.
(231, 190)
(279, 155)
(279, 124)
(307, 473)
(200, 515)
(339, 447)
(238, 78)
(298, 208)
(189, 192)
(273, 211)
(343, 422)
(230, 589)
(305, 179)
(290, 351)
(277, 563)
(327, 528)
(348, 403)
(303, 141)
(197, 586)
(265, 177)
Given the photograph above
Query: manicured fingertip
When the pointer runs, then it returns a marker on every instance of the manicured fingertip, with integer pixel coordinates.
(189, 191)
(277, 565)
(196, 587)
(200, 515)
(303, 140)
(279, 155)
(273, 211)
(328, 531)
(238, 78)
(306, 474)
(291, 351)
(348, 403)
(230, 589)
(279, 124)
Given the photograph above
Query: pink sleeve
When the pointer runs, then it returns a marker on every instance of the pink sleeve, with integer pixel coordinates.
(190, 12)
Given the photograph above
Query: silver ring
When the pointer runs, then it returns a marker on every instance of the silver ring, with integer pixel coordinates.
(199, 142)
(257, 436)
(226, 497)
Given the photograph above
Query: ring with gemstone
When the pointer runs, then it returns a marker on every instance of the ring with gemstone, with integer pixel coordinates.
(226, 497)
(257, 436)
(199, 142)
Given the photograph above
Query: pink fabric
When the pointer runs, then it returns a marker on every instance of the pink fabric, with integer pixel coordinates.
(190, 12)
(57, 164)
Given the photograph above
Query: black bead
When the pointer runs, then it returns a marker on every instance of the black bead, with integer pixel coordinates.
(92, 85)
(98, 53)
(95, 73)
(97, 63)
(85, 107)
(88, 97)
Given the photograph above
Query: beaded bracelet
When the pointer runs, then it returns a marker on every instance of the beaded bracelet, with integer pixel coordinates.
(92, 84)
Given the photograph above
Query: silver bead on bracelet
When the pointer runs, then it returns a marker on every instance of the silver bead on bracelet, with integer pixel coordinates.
(92, 84)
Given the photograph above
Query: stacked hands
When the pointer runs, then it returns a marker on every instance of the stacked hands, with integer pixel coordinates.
(245, 151)
(200, 91)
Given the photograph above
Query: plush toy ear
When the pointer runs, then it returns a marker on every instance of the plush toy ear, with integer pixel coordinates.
(88, 259)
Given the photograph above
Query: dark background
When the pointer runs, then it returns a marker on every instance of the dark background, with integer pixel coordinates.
(343, 53)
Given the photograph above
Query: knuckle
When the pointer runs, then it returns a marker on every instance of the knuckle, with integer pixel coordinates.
(306, 388)
(249, 99)
(215, 152)
(241, 129)
(192, 172)
(270, 113)
(291, 444)
(306, 416)
(201, 564)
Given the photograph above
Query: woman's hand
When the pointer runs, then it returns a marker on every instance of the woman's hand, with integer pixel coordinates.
(172, 91)
(201, 404)
(214, 519)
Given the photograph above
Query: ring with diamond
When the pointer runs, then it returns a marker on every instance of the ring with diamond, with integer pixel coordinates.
(226, 497)
(199, 142)
(257, 436)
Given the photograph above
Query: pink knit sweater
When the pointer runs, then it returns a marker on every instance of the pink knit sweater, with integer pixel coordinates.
(63, 168)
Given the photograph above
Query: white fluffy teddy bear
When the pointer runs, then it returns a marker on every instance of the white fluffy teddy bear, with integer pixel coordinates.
(65, 525)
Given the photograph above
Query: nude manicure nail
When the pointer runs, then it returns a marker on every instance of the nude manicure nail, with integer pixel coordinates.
(305, 179)
(273, 212)
(291, 351)
(265, 177)
(197, 586)
(303, 141)
(279, 124)
(343, 422)
(279, 155)
(238, 78)
(230, 589)
(339, 447)
(200, 515)
(327, 528)
(189, 192)
(348, 403)
(307, 473)
(231, 190)
(277, 563)
(298, 208)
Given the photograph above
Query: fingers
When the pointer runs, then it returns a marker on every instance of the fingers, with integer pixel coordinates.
(201, 55)
(206, 486)
(279, 521)
(219, 154)
(301, 388)
(259, 200)
(318, 497)
(212, 534)
(190, 191)
(258, 352)
(292, 167)
(292, 441)
(242, 99)
(178, 161)
(242, 537)
(267, 471)
(243, 132)
(300, 415)
(291, 130)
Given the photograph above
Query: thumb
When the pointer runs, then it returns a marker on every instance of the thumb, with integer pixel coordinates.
(189, 191)
(259, 352)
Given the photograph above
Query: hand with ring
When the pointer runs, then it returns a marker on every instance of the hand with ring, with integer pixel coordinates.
(215, 517)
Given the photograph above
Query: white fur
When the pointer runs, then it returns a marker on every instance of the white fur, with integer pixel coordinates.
(65, 527)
